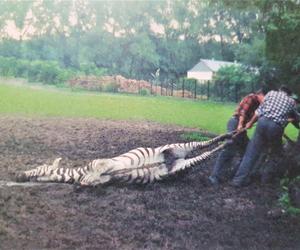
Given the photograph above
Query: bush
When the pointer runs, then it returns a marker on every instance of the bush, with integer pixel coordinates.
(285, 199)
(144, 92)
(34, 70)
(21, 68)
(7, 66)
(48, 72)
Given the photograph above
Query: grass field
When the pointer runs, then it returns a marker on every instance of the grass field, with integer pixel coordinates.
(30, 101)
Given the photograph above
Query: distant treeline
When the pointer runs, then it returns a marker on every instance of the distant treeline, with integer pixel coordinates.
(135, 38)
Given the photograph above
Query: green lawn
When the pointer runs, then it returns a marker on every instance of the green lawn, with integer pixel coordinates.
(28, 101)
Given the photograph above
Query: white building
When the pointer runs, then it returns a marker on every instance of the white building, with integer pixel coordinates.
(205, 69)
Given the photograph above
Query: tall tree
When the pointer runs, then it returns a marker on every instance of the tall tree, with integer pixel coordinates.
(282, 22)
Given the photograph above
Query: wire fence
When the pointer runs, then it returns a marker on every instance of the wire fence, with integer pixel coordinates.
(190, 88)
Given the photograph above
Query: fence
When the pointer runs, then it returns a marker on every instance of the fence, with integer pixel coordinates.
(182, 87)
(190, 88)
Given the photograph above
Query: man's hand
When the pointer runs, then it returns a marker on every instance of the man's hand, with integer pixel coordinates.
(249, 125)
(295, 122)
(239, 127)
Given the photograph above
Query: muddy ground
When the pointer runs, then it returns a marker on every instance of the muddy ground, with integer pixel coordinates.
(181, 213)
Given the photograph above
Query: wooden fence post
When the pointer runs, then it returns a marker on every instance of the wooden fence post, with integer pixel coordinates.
(195, 89)
(208, 94)
(183, 87)
(201, 90)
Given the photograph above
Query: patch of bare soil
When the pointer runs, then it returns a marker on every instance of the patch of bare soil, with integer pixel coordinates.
(180, 213)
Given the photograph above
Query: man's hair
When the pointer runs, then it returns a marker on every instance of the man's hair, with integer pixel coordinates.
(264, 90)
(285, 89)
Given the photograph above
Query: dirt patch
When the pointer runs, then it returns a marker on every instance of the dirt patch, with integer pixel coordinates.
(180, 213)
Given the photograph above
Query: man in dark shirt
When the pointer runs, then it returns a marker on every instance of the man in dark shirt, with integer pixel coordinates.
(273, 116)
(242, 118)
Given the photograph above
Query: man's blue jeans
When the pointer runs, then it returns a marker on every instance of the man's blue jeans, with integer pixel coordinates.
(267, 134)
(226, 156)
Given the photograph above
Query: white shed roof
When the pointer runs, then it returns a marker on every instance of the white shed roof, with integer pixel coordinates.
(210, 65)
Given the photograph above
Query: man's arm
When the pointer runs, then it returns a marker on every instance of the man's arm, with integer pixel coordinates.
(254, 118)
(294, 118)
(241, 122)
(246, 104)
(244, 107)
(252, 121)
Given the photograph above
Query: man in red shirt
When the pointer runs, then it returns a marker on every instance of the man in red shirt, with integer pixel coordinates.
(243, 117)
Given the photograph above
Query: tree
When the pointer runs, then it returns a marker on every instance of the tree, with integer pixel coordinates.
(280, 22)
(283, 38)
(231, 82)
